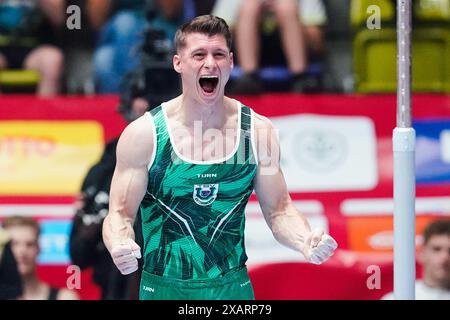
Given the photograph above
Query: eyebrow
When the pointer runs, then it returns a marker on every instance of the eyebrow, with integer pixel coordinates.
(203, 50)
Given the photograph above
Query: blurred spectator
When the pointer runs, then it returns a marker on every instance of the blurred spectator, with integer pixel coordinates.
(122, 25)
(86, 247)
(435, 259)
(256, 22)
(150, 83)
(24, 234)
(86, 244)
(78, 47)
(168, 15)
(202, 7)
(25, 40)
(10, 282)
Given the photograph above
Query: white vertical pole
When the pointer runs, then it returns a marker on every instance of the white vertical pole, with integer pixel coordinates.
(404, 164)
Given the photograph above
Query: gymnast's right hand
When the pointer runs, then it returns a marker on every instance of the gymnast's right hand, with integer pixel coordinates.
(125, 254)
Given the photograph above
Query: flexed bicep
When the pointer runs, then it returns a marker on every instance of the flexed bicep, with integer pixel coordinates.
(270, 185)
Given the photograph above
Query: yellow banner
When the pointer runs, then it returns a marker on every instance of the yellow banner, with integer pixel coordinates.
(47, 157)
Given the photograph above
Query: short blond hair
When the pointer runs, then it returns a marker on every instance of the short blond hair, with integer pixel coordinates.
(21, 221)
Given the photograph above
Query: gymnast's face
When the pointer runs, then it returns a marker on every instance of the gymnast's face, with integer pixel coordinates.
(205, 64)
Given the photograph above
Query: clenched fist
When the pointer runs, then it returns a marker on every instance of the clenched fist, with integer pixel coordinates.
(319, 246)
(125, 254)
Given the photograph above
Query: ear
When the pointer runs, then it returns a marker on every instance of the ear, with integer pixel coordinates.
(176, 63)
(232, 60)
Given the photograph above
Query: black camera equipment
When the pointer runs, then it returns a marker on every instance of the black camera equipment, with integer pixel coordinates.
(154, 79)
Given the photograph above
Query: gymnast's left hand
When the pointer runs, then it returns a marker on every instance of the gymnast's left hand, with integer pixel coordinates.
(319, 246)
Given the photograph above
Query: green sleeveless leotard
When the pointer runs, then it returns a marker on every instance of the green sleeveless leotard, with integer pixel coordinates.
(193, 219)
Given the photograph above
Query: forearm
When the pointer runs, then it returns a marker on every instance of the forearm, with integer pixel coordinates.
(288, 225)
(290, 228)
(117, 227)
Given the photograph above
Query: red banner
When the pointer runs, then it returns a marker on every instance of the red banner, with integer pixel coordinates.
(336, 157)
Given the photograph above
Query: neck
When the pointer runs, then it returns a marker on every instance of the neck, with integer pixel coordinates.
(211, 115)
(31, 285)
(431, 282)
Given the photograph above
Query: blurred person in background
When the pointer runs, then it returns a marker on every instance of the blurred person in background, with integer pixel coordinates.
(119, 24)
(259, 27)
(435, 260)
(150, 83)
(168, 15)
(86, 245)
(24, 233)
(28, 32)
(10, 282)
(122, 27)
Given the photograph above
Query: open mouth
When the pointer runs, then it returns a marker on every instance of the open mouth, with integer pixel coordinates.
(208, 83)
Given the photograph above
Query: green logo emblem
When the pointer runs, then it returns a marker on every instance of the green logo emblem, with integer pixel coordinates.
(205, 194)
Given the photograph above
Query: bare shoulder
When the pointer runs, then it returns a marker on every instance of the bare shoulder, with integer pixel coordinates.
(137, 141)
(267, 142)
(262, 122)
(66, 294)
(141, 128)
(264, 127)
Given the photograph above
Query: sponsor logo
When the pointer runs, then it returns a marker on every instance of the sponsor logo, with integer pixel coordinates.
(321, 150)
(61, 150)
(328, 153)
(54, 241)
(205, 194)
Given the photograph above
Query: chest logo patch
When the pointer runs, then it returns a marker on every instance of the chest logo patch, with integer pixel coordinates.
(205, 194)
